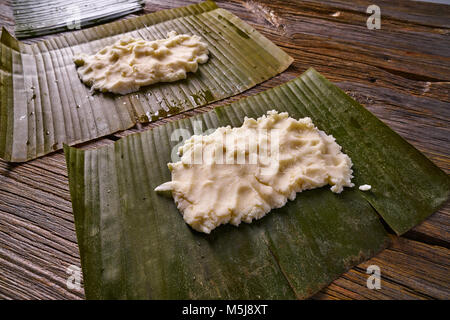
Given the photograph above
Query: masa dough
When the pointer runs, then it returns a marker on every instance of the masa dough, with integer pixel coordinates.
(240, 174)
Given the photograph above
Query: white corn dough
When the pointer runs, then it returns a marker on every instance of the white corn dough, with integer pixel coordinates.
(131, 63)
(219, 191)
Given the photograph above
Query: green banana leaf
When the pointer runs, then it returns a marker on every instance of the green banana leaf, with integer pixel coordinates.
(44, 104)
(135, 244)
(40, 17)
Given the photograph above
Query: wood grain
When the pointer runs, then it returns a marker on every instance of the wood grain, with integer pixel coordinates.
(401, 73)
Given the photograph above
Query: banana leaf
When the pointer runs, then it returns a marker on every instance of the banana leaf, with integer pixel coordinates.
(40, 17)
(135, 244)
(44, 104)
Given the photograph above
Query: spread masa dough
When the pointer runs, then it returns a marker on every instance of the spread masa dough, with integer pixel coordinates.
(131, 63)
(240, 174)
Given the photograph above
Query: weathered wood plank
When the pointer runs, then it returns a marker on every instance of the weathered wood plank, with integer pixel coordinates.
(411, 12)
(434, 230)
(37, 234)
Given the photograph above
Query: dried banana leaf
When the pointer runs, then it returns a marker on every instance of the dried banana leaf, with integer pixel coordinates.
(135, 244)
(44, 104)
(40, 17)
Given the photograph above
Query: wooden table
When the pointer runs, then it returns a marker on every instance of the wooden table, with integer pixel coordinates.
(401, 73)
